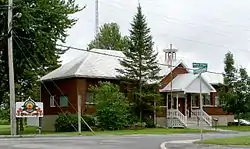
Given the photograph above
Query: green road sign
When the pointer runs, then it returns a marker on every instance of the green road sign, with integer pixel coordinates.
(200, 70)
(199, 65)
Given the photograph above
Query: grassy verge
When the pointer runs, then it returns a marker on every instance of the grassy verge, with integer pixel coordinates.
(5, 130)
(242, 140)
(235, 128)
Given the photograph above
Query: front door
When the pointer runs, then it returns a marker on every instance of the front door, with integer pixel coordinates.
(181, 105)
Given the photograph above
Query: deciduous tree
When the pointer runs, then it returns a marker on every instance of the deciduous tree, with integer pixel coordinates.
(37, 27)
(109, 37)
(113, 110)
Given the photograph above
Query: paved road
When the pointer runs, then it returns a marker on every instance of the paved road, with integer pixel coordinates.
(100, 142)
(182, 145)
(195, 146)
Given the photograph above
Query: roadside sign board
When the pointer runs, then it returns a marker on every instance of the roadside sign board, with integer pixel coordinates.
(202, 67)
(29, 108)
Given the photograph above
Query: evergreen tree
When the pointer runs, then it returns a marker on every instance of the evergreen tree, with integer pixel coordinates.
(140, 65)
(235, 93)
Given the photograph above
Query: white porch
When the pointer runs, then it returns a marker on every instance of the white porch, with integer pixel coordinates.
(183, 100)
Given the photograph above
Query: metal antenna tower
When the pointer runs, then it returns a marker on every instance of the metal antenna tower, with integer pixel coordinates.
(96, 17)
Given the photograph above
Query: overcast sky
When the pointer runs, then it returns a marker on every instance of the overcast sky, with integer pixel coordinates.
(202, 30)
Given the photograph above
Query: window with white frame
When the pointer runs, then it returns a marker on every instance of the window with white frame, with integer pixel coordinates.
(52, 101)
(195, 99)
(217, 101)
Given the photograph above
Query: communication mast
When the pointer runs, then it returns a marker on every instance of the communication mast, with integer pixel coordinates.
(96, 17)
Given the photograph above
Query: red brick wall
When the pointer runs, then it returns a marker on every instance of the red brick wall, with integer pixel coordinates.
(212, 98)
(178, 70)
(215, 111)
(72, 88)
(58, 88)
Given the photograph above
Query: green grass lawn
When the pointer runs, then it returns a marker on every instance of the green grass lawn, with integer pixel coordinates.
(243, 140)
(5, 130)
(235, 128)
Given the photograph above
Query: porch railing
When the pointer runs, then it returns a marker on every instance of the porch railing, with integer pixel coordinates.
(174, 113)
(203, 114)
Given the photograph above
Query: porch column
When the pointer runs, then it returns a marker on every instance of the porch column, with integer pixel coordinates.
(177, 104)
(167, 105)
(185, 104)
(172, 101)
(191, 104)
(167, 100)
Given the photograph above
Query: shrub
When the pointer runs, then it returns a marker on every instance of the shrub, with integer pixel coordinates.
(150, 123)
(4, 122)
(112, 107)
(4, 114)
(69, 123)
(233, 124)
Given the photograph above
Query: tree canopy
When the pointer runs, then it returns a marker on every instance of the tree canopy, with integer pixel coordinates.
(37, 26)
(235, 93)
(113, 110)
(109, 37)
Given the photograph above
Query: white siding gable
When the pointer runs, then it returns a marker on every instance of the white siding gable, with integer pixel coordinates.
(194, 86)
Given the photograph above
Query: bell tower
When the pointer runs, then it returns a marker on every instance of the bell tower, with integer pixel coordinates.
(170, 56)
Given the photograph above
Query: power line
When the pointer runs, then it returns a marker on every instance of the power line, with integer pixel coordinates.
(82, 49)
(167, 65)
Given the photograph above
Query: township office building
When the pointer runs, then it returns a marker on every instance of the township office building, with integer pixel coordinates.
(62, 88)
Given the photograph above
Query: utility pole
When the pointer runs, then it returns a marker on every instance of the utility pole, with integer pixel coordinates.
(171, 51)
(201, 105)
(11, 70)
(171, 83)
(202, 67)
(79, 103)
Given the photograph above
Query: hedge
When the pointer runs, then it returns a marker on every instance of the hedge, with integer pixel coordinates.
(69, 123)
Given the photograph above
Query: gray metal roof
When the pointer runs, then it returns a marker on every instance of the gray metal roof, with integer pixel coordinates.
(189, 83)
(101, 63)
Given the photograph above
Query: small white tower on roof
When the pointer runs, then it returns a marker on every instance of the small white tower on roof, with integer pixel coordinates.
(170, 55)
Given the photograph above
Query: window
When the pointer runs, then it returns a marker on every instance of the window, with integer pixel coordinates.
(64, 101)
(217, 101)
(89, 98)
(195, 100)
(52, 101)
(206, 100)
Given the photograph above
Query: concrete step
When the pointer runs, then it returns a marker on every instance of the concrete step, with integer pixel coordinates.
(194, 123)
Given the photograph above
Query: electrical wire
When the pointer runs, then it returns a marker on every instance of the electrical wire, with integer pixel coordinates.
(111, 55)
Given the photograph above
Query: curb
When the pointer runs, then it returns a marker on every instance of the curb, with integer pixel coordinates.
(34, 136)
(163, 145)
